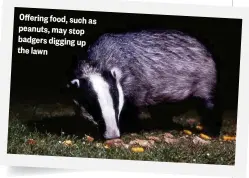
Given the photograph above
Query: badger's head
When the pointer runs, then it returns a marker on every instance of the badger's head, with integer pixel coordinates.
(102, 96)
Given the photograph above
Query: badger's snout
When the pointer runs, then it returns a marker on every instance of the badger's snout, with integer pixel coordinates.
(111, 134)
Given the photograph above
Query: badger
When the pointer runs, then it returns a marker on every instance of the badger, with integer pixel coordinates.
(143, 69)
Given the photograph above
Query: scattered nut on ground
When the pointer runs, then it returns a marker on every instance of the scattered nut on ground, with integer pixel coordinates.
(188, 132)
(204, 136)
(137, 149)
(229, 138)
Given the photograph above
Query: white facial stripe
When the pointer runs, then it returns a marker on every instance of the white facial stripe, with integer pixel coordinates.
(101, 88)
(76, 81)
(121, 99)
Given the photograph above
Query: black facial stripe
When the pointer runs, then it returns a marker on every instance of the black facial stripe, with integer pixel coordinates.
(115, 98)
(88, 98)
(113, 91)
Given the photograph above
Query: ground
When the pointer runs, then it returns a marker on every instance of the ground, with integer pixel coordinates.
(42, 130)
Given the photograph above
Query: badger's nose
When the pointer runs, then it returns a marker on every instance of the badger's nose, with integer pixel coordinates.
(112, 134)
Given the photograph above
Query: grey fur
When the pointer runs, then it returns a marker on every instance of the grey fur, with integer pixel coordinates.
(156, 66)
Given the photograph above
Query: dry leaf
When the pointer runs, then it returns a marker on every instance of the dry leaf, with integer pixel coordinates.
(89, 139)
(188, 132)
(206, 137)
(114, 142)
(106, 146)
(228, 138)
(31, 141)
(198, 140)
(137, 149)
(67, 142)
(170, 140)
(143, 143)
(156, 139)
(168, 135)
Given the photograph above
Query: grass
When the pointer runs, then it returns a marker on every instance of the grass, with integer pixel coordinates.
(50, 125)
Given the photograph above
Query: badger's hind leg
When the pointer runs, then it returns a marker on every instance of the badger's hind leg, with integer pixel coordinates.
(210, 117)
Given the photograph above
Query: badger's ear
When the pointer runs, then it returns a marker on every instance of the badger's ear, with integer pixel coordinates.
(74, 83)
(116, 73)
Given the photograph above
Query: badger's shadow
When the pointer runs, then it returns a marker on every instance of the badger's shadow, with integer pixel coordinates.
(64, 125)
(130, 123)
(71, 125)
(160, 117)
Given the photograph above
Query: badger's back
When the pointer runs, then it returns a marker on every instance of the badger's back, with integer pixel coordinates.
(157, 66)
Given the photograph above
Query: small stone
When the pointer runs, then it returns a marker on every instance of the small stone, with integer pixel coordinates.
(198, 140)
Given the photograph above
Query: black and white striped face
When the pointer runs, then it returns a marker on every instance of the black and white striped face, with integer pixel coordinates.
(102, 96)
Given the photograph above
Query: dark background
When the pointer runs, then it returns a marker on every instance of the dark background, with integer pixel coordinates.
(40, 78)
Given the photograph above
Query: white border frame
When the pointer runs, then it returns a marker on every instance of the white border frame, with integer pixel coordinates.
(240, 3)
(239, 170)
